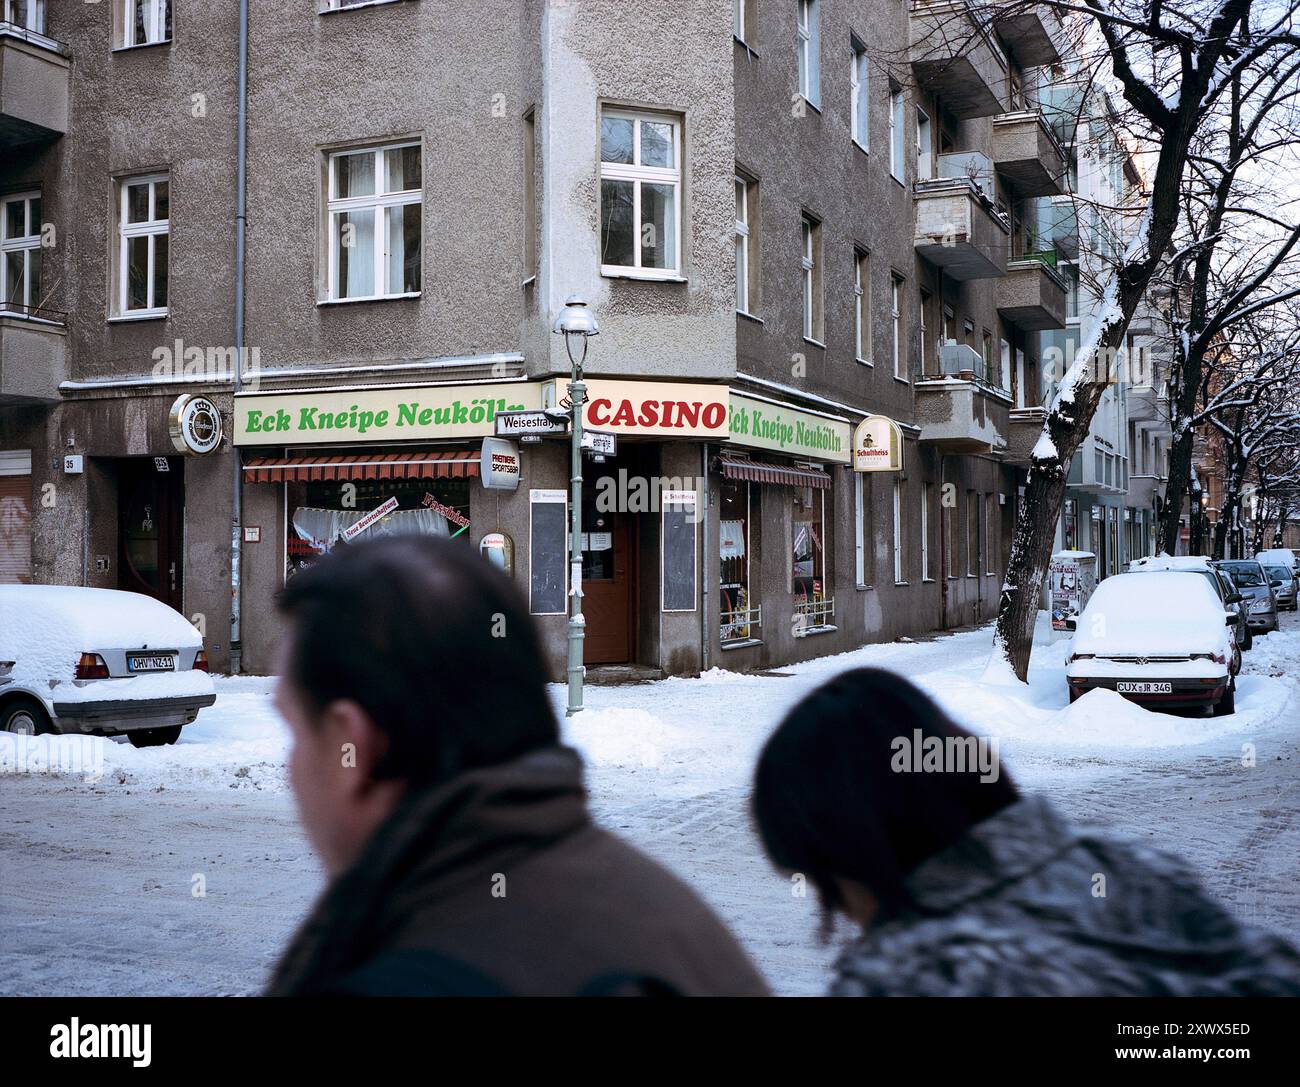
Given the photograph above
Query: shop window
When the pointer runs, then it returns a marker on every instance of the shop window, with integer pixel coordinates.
(808, 555)
(740, 613)
(320, 514)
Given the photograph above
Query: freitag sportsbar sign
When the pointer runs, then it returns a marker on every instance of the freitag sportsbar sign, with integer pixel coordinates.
(392, 413)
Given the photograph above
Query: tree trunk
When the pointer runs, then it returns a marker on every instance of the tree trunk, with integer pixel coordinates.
(1180, 476)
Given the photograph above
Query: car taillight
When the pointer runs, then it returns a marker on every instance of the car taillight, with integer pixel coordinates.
(91, 666)
(201, 660)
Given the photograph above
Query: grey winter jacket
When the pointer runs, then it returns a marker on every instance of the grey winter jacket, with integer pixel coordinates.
(1027, 905)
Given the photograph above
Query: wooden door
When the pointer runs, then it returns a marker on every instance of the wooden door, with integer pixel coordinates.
(607, 582)
(150, 529)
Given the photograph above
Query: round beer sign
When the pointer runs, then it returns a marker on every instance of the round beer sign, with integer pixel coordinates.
(195, 425)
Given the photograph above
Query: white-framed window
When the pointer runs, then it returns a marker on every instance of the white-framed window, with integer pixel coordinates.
(143, 228)
(640, 194)
(20, 252)
(742, 245)
(375, 204)
(986, 353)
(1004, 365)
(862, 305)
(924, 144)
(925, 532)
(28, 14)
(897, 136)
(859, 98)
(898, 336)
(900, 570)
(859, 532)
(808, 45)
(947, 513)
(146, 22)
(743, 20)
(810, 259)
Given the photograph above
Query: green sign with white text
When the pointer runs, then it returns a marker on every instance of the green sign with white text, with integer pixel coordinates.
(764, 425)
(427, 412)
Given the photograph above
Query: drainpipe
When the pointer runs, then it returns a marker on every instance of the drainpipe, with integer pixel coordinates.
(237, 483)
(702, 511)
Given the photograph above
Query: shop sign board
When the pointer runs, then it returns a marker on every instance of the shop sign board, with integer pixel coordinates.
(878, 445)
(529, 424)
(195, 425)
(668, 409)
(379, 413)
(764, 425)
(500, 467)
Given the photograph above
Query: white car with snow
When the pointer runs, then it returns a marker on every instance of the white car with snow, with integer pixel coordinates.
(1159, 638)
(98, 662)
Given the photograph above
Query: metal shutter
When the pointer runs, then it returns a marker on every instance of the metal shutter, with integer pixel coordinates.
(15, 517)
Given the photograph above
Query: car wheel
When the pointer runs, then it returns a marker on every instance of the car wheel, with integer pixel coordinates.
(154, 737)
(1228, 703)
(25, 716)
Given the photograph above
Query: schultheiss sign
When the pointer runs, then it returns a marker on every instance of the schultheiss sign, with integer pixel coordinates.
(395, 413)
(878, 445)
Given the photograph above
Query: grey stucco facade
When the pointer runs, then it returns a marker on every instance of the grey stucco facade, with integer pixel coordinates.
(506, 111)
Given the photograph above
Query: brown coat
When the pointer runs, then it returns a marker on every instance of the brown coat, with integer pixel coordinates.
(498, 883)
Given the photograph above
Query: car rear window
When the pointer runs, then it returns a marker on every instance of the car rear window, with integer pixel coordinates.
(1247, 576)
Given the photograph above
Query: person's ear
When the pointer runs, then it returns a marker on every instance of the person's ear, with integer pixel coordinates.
(360, 744)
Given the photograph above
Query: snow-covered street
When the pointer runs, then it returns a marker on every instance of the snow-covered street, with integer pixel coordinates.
(181, 870)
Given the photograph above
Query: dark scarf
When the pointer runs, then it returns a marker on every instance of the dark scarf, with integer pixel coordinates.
(434, 843)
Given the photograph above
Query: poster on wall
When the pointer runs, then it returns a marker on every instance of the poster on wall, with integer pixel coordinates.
(547, 552)
(678, 575)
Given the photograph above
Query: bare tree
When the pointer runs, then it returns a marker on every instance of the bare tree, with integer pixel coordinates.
(1173, 63)
(1236, 247)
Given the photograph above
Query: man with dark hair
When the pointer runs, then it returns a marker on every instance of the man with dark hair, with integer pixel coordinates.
(430, 778)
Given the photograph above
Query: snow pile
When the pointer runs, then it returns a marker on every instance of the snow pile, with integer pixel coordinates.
(628, 738)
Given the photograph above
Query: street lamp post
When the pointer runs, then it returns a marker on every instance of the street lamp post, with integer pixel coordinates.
(576, 323)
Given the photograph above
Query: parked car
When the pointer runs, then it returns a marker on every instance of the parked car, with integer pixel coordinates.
(1277, 556)
(1256, 586)
(98, 662)
(1159, 638)
(1222, 585)
(1284, 581)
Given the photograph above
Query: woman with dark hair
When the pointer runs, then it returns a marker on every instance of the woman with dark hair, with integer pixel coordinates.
(904, 823)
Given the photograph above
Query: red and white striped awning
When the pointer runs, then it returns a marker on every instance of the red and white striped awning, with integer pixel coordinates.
(755, 471)
(458, 465)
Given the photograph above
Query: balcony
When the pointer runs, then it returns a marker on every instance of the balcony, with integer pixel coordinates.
(958, 412)
(1032, 295)
(1026, 427)
(1096, 471)
(33, 87)
(1026, 153)
(1033, 36)
(955, 58)
(1058, 226)
(958, 229)
(1143, 490)
(33, 356)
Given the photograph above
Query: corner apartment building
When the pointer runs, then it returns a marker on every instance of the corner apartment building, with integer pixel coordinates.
(789, 218)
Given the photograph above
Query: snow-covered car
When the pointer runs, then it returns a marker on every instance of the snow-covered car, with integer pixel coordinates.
(1277, 556)
(1160, 638)
(1257, 588)
(1223, 588)
(99, 662)
(1284, 582)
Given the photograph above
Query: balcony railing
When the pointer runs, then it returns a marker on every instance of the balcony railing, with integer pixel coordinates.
(955, 57)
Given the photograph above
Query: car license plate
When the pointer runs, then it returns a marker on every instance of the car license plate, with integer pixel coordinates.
(1146, 688)
(150, 662)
